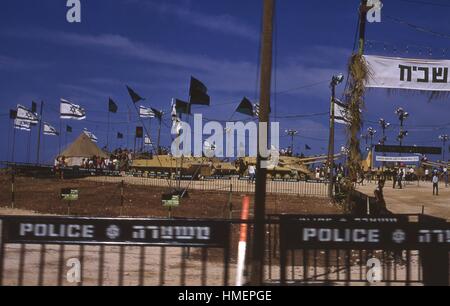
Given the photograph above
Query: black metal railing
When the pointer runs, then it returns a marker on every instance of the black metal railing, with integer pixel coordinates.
(300, 250)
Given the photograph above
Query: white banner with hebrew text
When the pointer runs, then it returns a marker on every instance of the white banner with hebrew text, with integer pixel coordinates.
(407, 73)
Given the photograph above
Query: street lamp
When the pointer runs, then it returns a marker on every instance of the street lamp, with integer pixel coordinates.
(444, 138)
(292, 133)
(402, 136)
(384, 125)
(402, 115)
(335, 81)
(371, 133)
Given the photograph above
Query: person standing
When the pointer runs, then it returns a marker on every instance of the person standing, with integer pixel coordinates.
(427, 173)
(252, 173)
(445, 174)
(400, 178)
(435, 181)
(394, 178)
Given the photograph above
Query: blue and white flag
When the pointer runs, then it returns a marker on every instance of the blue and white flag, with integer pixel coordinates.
(50, 130)
(68, 110)
(25, 114)
(147, 141)
(20, 124)
(146, 112)
(90, 135)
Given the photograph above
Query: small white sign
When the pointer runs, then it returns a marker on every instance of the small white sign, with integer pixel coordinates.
(406, 159)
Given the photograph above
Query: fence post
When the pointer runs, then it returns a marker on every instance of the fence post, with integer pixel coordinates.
(435, 263)
(121, 197)
(230, 203)
(12, 187)
(368, 205)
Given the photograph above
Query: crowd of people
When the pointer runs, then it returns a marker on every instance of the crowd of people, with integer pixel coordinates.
(118, 160)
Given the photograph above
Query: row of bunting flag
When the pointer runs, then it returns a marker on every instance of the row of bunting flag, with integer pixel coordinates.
(25, 118)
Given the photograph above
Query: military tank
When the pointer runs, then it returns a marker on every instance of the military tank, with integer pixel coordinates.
(196, 167)
(288, 167)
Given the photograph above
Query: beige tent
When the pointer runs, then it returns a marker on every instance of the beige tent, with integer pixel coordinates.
(82, 147)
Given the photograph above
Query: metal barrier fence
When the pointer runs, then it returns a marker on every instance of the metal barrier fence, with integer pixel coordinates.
(233, 184)
(397, 249)
(300, 250)
(44, 250)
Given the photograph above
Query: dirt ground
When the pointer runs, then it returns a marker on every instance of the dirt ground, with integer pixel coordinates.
(103, 199)
(412, 197)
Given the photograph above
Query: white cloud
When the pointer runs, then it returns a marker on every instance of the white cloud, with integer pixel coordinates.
(222, 75)
(225, 24)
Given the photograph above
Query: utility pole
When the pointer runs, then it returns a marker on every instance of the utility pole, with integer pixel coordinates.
(261, 173)
(39, 134)
(363, 9)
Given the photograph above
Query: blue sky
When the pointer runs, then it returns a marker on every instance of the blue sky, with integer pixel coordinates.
(156, 45)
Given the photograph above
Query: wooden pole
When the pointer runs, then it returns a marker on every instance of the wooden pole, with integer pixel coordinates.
(362, 26)
(261, 173)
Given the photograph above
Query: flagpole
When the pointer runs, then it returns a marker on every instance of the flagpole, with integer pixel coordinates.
(9, 138)
(28, 146)
(14, 143)
(128, 127)
(39, 134)
(59, 139)
(149, 129)
(159, 135)
(107, 132)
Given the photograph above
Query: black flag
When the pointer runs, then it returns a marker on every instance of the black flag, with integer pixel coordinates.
(182, 107)
(68, 129)
(33, 107)
(158, 114)
(134, 96)
(12, 114)
(245, 107)
(198, 93)
(119, 135)
(307, 147)
(112, 106)
(139, 132)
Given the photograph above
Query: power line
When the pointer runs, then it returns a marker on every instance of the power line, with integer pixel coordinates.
(426, 3)
(418, 28)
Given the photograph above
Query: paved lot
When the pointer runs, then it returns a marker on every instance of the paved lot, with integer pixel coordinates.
(411, 198)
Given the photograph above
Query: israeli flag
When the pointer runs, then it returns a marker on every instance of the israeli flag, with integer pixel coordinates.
(68, 110)
(146, 112)
(20, 124)
(90, 135)
(147, 141)
(50, 130)
(25, 114)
